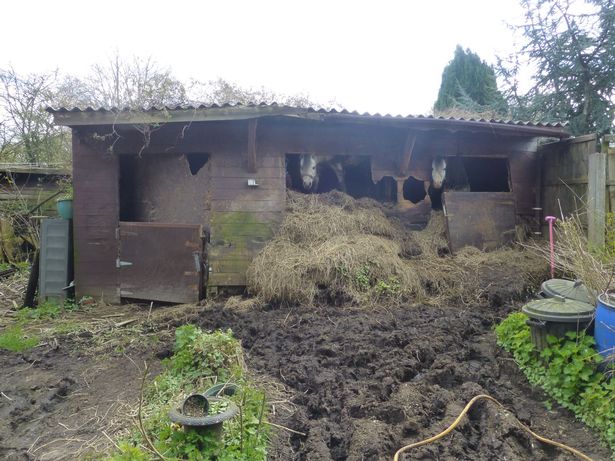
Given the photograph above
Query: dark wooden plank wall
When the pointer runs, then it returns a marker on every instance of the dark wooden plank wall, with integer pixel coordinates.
(485, 220)
(96, 216)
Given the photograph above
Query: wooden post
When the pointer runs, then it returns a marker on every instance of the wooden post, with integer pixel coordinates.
(610, 177)
(404, 164)
(596, 199)
(252, 145)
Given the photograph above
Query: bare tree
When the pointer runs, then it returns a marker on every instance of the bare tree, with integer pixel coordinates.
(222, 91)
(135, 84)
(26, 130)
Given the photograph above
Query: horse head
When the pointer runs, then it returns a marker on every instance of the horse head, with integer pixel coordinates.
(438, 172)
(308, 171)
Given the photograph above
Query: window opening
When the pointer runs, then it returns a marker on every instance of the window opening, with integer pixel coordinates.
(196, 162)
(487, 174)
(414, 190)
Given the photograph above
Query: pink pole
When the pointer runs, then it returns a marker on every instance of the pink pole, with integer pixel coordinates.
(551, 219)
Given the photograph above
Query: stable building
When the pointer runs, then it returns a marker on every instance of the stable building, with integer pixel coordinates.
(173, 203)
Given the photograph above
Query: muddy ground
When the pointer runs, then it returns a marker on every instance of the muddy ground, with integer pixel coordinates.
(359, 383)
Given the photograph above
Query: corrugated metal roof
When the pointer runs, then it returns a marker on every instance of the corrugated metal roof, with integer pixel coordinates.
(233, 111)
(316, 110)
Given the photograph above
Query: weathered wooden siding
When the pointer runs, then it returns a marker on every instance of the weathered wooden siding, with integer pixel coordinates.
(243, 218)
(564, 176)
(96, 216)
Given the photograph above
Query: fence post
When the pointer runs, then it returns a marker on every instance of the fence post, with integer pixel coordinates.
(608, 147)
(596, 199)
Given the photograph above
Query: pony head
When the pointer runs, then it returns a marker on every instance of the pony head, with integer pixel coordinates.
(438, 172)
(308, 170)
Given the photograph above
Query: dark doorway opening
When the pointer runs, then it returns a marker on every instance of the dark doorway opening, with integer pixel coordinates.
(487, 174)
(414, 190)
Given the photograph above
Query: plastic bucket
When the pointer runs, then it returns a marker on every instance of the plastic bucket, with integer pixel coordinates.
(604, 330)
(65, 208)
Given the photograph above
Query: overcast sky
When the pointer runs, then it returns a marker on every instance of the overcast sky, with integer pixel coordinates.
(378, 56)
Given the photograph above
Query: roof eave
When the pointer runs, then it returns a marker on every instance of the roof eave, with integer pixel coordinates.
(153, 117)
(90, 117)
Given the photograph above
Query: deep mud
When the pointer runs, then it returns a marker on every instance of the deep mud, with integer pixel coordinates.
(361, 383)
(60, 399)
(365, 382)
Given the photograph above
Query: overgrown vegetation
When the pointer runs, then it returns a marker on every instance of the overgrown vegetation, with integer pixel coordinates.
(333, 247)
(575, 258)
(567, 371)
(200, 360)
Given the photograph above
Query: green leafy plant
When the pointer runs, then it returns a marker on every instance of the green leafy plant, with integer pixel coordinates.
(200, 360)
(566, 370)
(388, 288)
(45, 310)
(363, 278)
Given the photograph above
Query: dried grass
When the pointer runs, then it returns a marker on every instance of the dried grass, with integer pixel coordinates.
(574, 258)
(334, 248)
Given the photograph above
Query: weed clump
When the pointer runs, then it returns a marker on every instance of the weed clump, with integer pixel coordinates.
(200, 361)
(14, 339)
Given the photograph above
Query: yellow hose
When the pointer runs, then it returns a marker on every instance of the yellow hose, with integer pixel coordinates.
(462, 414)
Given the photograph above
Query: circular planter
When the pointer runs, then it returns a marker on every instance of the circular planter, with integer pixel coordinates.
(65, 208)
(204, 423)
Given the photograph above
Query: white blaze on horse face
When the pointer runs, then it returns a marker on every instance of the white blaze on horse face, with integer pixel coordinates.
(438, 172)
(308, 170)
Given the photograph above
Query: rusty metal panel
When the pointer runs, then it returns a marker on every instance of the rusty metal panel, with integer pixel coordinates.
(485, 220)
(161, 262)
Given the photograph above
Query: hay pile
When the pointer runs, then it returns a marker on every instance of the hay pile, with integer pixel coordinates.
(334, 248)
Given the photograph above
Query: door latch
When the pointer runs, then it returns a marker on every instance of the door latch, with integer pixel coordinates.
(119, 263)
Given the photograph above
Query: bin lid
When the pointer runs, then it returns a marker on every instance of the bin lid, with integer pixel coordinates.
(559, 309)
(572, 289)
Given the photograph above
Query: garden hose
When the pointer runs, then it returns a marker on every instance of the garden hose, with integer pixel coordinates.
(462, 414)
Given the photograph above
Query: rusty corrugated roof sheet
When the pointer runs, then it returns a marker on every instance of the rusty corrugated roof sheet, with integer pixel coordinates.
(86, 116)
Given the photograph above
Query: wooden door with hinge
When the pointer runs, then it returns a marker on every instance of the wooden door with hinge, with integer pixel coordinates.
(160, 261)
